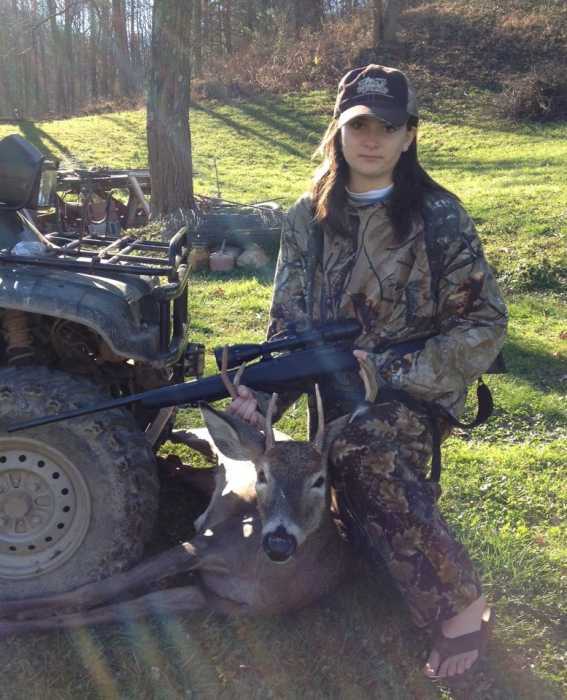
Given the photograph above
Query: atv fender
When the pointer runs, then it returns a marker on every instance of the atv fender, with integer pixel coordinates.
(122, 311)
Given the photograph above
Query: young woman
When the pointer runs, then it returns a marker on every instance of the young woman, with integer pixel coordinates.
(377, 239)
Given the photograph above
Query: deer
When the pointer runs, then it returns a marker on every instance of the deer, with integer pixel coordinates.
(266, 544)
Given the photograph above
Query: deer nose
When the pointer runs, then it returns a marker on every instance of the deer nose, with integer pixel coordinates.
(279, 545)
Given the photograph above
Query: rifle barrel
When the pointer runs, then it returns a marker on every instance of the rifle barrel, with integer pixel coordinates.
(275, 374)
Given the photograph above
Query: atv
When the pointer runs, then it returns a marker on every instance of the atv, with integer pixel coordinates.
(84, 317)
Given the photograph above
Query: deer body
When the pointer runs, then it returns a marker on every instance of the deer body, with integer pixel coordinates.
(253, 584)
(266, 544)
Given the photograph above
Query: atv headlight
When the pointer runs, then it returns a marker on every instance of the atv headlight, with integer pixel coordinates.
(27, 177)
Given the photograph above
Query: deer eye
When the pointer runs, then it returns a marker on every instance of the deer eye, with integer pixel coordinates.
(318, 483)
(261, 477)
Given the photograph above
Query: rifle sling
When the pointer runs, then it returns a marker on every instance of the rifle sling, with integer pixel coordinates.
(434, 412)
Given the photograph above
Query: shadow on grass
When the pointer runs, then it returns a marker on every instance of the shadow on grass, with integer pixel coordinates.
(513, 167)
(125, 124)
(541, 369)
(245, 130)
(281, 118)
(44, 141)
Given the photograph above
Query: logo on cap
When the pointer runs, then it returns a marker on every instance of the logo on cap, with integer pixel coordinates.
(373, 85)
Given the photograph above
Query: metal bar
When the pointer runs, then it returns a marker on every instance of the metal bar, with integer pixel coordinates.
(164, 325)
(126, 250)
(135, 186)
(92, 240)
(155, 429)
(167, 292)
(134, 258)
(121, 242)
(77, 265)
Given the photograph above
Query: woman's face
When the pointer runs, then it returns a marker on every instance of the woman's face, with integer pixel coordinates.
(372, 150)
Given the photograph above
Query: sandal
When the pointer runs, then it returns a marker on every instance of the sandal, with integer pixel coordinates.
(452, 646)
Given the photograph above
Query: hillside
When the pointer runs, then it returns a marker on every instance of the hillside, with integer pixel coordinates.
(500, 56)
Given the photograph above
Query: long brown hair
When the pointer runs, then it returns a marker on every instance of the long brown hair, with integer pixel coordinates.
(405, 205)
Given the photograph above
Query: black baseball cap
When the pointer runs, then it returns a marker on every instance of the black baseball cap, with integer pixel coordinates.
(376, 91)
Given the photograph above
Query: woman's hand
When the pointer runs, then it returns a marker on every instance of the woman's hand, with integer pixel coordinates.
(360, 354)
(246, 407)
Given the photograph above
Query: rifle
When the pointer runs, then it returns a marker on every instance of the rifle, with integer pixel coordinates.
(284, 362)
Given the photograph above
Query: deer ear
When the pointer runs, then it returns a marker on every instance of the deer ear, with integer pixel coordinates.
(233, 437)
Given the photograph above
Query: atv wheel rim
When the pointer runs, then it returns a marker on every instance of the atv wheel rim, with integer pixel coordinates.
(45, 508)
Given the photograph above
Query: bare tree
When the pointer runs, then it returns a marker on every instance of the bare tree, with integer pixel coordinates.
(197, 37)
(386, 20)
(64, 54)
(57, 56)
(120, 43)
(227, 25)
(169, 138)
(69, 56)
(93, 72)
(251, 15)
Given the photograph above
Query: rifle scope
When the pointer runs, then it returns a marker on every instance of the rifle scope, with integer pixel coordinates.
(327, 333)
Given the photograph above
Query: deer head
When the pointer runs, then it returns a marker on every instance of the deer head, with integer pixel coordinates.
(292, 482)
(291, 476)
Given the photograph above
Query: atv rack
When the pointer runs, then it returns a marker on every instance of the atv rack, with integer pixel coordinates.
(103, 255)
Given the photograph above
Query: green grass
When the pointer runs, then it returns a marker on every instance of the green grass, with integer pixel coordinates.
(510, 178)
(503, 487)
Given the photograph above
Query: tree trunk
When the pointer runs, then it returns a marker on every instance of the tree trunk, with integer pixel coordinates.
(206, 12)
(377, 22)
(61, 105)
(136, 59)
(106, 84)
(386, 20)
(120, 42)
(251, 17)
(308, 14)
(169, 138)
(69, 62)
(227, 25)
(197, 35)
(36, 96)
(220, 26)
(93, 51)
(392, 11)
(45, 101)
(19, 96)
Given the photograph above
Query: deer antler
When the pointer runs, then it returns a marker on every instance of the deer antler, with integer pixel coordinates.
(269, 431)
(318, 441)
(231, 386)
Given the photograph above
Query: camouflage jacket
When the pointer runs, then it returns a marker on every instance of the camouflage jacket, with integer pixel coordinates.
(436, 287)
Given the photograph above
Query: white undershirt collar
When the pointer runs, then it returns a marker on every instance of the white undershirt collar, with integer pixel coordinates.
(370, 197)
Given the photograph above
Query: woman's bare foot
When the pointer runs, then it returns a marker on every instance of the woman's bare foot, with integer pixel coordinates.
(468, 620)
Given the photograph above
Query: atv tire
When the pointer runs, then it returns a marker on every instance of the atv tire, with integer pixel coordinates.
(78, 499)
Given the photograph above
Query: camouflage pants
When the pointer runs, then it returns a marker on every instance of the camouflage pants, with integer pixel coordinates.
(379, 465)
